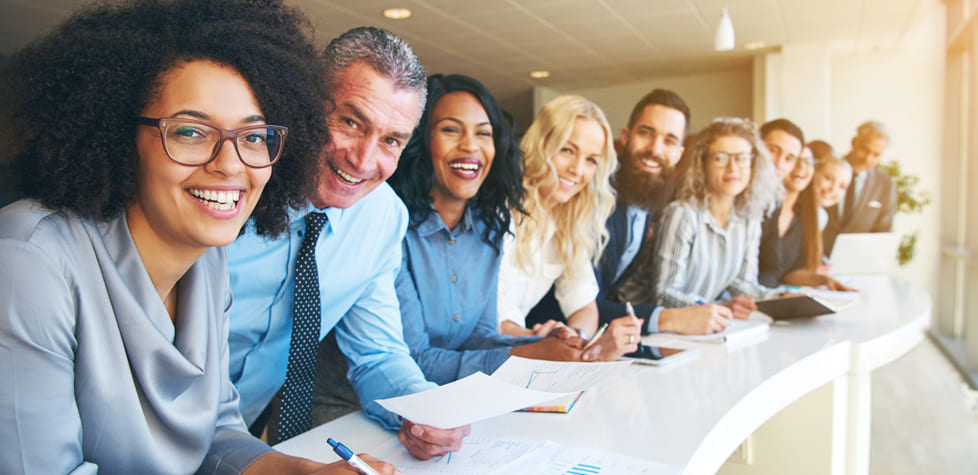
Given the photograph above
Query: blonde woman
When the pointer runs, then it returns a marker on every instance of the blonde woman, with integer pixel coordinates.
(833, 176)
(569, 160)
(706, 244)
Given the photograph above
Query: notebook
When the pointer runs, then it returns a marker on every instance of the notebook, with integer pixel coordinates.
(795, 306)
(864, 253)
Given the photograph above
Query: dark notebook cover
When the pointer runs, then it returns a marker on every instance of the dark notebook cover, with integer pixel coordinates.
(796, 306)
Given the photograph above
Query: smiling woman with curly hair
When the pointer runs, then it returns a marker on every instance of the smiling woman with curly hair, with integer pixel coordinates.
(706, 242)
(147, 132)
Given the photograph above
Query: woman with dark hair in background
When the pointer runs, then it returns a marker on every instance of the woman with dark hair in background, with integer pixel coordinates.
(791, 252)
(144, 140)
(460, 176)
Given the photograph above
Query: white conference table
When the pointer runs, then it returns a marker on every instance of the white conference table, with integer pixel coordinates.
(797, 401)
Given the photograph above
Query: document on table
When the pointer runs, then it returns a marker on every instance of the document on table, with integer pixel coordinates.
(555, 459)
(478, 456)
(556, 376)
(484, 397)
(737, 332)
(486, 456)
(839, 299)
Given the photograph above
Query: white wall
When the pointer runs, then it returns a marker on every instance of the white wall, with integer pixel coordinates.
(709, 95)
(809, 106)
(829, 91)
(904, 89)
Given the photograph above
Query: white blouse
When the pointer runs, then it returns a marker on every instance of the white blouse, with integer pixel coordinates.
(521, 289)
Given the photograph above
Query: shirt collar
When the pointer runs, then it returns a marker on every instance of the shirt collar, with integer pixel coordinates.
(334, 215)
(434, 224)
(733, 218)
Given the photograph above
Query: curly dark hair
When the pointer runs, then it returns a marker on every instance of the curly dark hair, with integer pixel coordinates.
(499, 194)
(74, 95)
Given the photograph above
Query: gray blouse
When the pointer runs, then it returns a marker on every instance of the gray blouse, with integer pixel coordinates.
(95, 376)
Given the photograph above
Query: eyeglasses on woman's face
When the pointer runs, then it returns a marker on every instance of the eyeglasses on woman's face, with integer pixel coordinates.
(195, 142)
(722, 159)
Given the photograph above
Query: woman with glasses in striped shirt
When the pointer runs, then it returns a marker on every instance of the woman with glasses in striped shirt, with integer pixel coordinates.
(706, 243)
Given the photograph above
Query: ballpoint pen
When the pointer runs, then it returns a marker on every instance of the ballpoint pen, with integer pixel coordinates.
(630, 311)
(594, 339)
(346, 454)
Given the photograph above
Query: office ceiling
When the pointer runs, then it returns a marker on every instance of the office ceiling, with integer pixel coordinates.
(583, 43)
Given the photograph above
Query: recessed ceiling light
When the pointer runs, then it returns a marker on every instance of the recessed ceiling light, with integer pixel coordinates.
(755, 45)
(397, 13)
(539, 74)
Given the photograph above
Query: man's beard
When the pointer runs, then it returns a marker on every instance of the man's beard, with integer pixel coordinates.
(636, 187)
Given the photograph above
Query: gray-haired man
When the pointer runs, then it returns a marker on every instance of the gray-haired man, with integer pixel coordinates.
(377, 88)
(870, 201)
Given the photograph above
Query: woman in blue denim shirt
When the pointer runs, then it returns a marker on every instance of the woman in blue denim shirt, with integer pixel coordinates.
(459, 177)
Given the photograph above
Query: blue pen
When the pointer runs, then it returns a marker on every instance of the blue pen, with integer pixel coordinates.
(346, 454)
(700, 302)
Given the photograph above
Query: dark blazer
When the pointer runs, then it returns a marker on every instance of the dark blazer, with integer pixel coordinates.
(608, 310)
(872, 211)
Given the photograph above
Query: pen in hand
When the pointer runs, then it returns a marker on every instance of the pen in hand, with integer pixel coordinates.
(629, 309)
(346, 454)
(594, 339)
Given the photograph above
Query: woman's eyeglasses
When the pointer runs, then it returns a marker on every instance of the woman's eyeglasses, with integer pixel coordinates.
(195, 142)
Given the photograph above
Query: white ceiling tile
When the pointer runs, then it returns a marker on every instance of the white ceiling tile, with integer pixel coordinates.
(584, 41)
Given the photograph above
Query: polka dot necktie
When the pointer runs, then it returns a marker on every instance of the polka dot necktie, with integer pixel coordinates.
(295, 417)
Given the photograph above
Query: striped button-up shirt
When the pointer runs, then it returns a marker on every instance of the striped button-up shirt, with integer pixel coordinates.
(695, 259)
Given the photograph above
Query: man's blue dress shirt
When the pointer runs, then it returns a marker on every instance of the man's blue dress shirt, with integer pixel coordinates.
(358, 256)
(447, 289)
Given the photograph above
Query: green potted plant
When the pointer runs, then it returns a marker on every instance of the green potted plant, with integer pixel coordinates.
(909, 201)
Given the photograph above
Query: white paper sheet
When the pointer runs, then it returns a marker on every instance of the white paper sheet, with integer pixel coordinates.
(556, 376)
(472, 399)
(487, 456)
(838, 299)
(735, 331)
(554, 459)
(478, 456)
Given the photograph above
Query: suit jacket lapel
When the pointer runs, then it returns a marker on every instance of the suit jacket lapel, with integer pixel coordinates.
(861, 206)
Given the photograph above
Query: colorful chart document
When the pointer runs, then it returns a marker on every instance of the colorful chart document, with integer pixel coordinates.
(554, 459)
(486, 456)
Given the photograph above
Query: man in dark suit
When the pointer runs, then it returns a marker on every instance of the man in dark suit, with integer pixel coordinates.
(870, 201)
(651, 146)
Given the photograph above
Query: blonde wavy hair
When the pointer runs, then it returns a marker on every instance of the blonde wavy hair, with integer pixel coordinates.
(764, 190)
(822, 163)
(580, 222)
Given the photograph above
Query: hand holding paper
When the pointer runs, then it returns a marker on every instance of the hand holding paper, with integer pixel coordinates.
(518, 383)
(485, 396)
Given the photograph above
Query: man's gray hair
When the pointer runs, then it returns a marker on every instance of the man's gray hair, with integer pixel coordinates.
(383, 51)
(871, 128)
